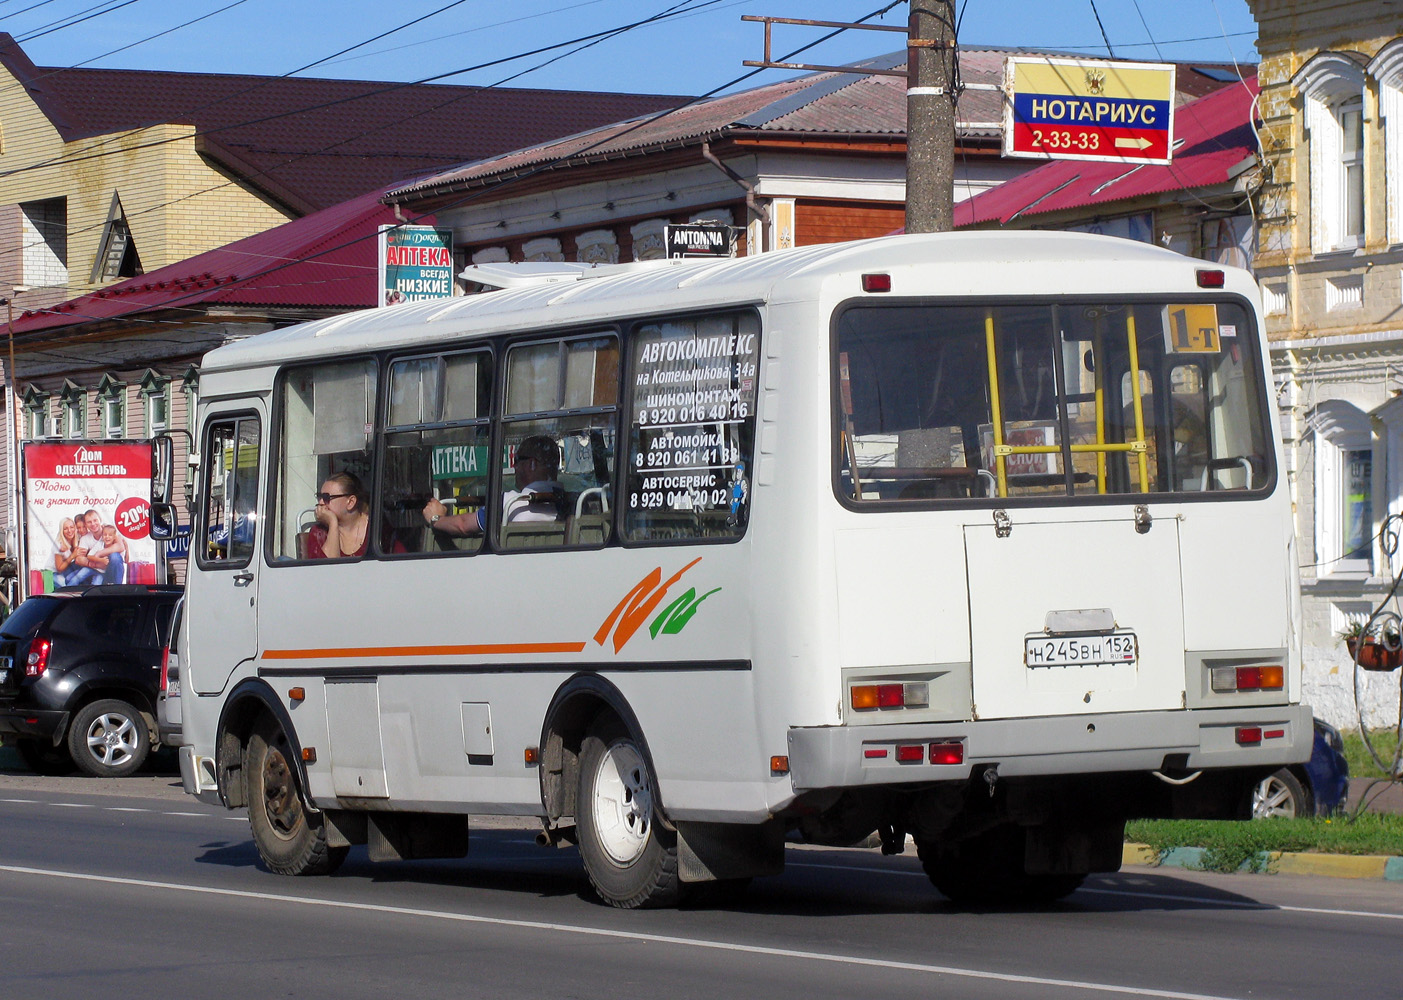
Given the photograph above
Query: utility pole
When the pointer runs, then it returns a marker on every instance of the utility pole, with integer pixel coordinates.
(930, 117)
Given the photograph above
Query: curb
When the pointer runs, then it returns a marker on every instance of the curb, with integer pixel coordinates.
(1370, 866)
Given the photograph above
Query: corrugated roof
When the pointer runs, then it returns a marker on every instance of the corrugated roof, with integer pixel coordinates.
(830, 103)
(322, 141)
(268, 270)
(1214, 135)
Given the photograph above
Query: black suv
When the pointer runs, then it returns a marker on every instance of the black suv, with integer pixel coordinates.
(79, 671)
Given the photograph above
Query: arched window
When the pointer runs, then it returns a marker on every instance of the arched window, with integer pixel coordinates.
(1344, 489)
(1332, 90)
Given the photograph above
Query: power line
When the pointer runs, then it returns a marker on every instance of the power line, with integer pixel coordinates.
(593, 40)
(390, 88)
(1110, 51)
(50, 28)
(525, 174)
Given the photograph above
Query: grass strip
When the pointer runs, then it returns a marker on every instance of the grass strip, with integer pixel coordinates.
(1361, 765)
(1229, 846)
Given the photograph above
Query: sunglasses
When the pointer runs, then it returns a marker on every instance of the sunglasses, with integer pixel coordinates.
(328, 497)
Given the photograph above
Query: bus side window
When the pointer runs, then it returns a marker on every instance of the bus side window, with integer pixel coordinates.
(230, 492)
(560, 431)
(327, 411)
(436, 447)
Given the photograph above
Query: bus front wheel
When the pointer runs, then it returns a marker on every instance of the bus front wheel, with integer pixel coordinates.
(290, 838)
(630, 858)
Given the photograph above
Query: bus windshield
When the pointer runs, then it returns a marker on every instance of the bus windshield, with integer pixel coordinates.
(950, 402)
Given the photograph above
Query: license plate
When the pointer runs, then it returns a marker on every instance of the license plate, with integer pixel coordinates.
(1080, 650)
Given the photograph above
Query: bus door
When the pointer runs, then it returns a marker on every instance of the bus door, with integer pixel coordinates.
(223, 588)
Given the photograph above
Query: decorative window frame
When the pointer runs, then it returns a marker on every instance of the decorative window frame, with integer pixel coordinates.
(190, 385)
(1325, 83)
(35, 402)
(1340, 427)
(1387, 69)
(1389, 422)
(155, 390)
(73, 411)
(112, 392)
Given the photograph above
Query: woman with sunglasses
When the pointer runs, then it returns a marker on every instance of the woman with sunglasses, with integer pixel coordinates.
(343, 526)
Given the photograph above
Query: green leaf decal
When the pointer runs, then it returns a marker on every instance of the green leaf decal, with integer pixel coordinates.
(673, 618)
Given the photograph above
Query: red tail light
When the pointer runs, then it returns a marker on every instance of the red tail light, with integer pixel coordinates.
(38, 657)
(165, 667)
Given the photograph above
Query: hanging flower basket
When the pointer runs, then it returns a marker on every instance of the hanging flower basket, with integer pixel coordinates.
(1372, 654)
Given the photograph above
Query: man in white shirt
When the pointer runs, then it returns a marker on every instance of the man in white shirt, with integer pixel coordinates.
(88, 543)
(536, 497)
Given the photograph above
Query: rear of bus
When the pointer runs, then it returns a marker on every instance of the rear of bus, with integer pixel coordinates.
(1063, 554)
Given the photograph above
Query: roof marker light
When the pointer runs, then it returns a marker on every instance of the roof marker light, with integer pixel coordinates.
(878, 282)
(1211, 279)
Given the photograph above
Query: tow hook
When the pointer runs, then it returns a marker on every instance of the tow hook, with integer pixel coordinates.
(991, 778)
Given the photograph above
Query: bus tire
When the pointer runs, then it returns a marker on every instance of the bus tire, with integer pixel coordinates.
(291, 839)
(631, 859)
(987, 870)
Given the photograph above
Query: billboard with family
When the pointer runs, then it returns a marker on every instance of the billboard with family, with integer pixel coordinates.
(88, 514)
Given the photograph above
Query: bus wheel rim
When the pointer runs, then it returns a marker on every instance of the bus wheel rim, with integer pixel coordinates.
(623, 804)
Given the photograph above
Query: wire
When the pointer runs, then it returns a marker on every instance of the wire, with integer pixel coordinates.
(50, 28)
(595, 39)
(1097, 13)
(525, 174)
(390, 88)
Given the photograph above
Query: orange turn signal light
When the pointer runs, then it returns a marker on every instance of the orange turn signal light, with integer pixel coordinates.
(309, 755)
(296, 694)
(865, 695)
(779, 765)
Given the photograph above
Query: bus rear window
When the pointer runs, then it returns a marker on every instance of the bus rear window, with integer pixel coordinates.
(948, 403)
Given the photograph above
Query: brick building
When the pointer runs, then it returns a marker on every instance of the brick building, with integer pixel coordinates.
(1330, 262)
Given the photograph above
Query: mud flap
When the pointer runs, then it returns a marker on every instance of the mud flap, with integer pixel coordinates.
(707, 852)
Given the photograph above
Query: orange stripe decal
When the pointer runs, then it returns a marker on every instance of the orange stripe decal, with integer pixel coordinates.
(486, 649)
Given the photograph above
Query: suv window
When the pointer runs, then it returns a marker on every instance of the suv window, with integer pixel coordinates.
(113, 621)
(28, 617)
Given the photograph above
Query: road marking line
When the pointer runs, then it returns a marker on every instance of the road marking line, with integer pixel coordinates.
(71, 805)
(184, 814)
(126, 809)
(1229, 903)
(700, 943)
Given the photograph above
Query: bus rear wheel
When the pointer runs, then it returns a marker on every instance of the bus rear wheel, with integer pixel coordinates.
(630, 858)
(987, 870)
(291, 839)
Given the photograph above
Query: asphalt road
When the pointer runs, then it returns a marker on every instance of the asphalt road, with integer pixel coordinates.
(129, 888)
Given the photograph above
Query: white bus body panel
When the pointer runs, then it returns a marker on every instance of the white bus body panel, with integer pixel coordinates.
(812, 596)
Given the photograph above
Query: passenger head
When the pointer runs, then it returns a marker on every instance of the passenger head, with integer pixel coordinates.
(92, 520)
(344, 493)
(537, 460)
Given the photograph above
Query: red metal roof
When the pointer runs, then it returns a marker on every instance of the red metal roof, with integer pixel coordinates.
(316, 142)
(1213, 136)
(819, 104)
(326, 260)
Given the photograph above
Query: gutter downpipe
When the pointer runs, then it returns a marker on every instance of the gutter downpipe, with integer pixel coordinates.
(759, 211)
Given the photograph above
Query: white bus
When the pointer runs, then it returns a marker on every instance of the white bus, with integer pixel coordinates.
(981, 539)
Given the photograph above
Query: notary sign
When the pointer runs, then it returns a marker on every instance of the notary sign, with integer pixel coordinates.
(1084, 109)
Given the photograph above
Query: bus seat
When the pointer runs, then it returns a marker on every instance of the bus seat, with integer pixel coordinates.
(533, 534)
(587, 529)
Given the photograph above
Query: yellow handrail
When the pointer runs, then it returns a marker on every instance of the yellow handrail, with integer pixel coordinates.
(1000, 466)
(1134, 350)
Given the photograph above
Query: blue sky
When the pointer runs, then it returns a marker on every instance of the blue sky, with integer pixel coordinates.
(690, 54)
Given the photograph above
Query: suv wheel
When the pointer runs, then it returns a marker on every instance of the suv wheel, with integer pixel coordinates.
(109, 739)
(42, 757)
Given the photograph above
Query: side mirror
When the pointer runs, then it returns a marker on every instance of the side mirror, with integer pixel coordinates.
(162, 460)
(165, 525)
